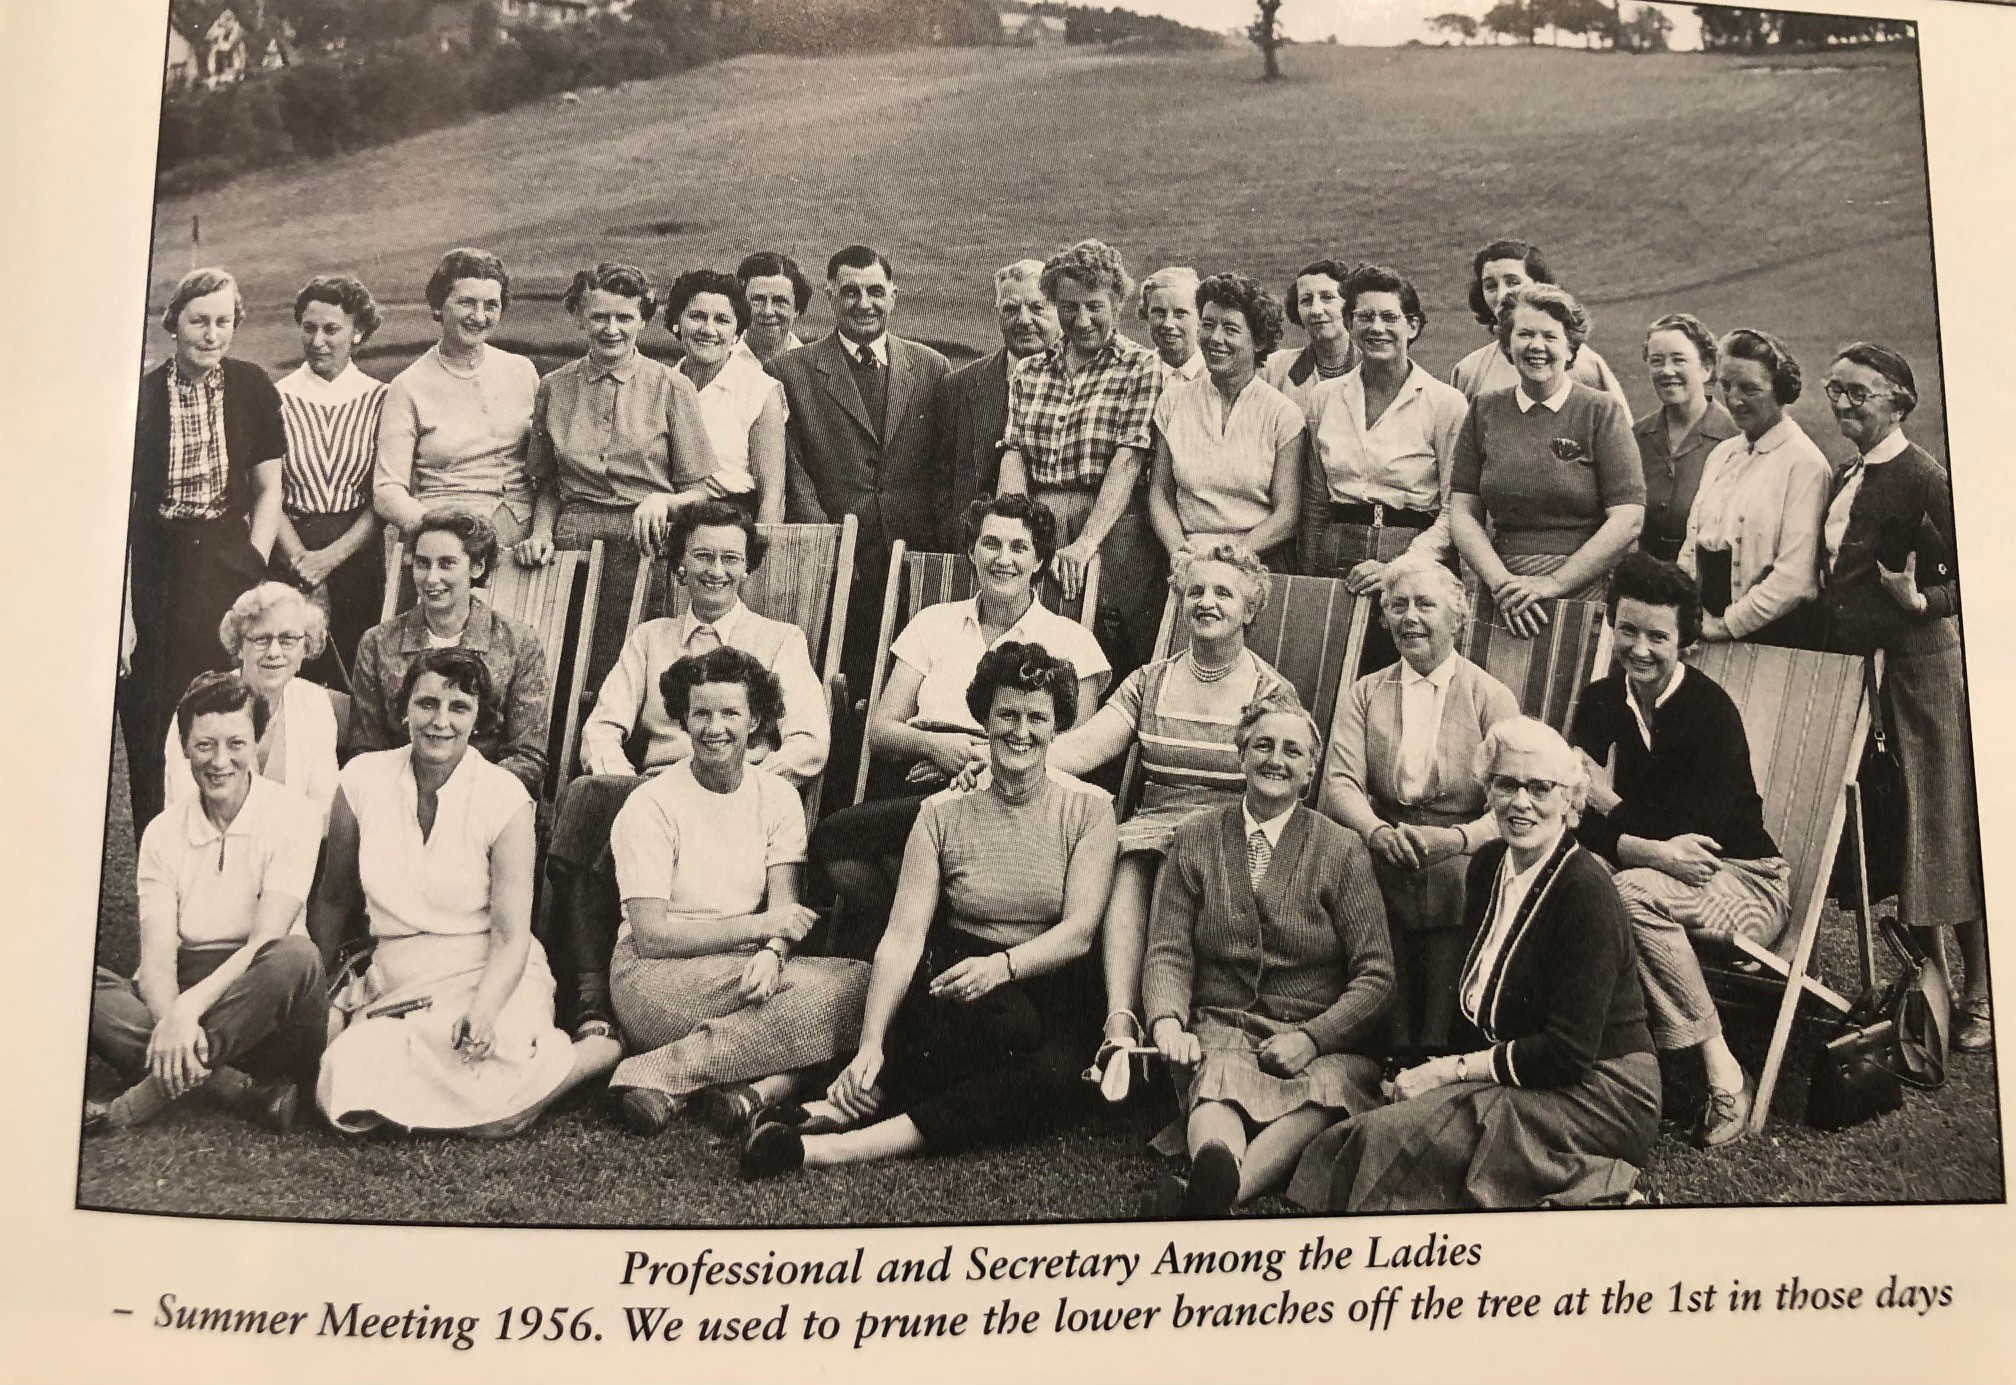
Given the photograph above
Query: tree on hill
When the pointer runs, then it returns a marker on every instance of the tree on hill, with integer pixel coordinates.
(1513, 19)
(1729, 30)
(1463, 26)
(1645, 31)
(1266, 32)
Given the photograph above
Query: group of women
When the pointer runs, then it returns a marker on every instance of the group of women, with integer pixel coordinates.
(1373, 956)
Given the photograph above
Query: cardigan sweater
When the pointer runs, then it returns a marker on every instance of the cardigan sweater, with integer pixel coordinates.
(1695, 777)
(1905, 506)
(1308, 948)
(252, 434)
(1562, 993)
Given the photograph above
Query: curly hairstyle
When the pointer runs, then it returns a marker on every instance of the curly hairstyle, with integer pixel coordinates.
(1534, 737)
(1332, 269)
(724, 664)
(466, 263)
(201, 283)
(257, 601)
(1090, 264)
(1446, 583)
(1523, 251)
(478, 539)
(1689, 326)
(218, 694)
(1245, 294)
(347, 294)
(695, 282)
(1788, 382)
(713, 514)
(623, 280)
(1373, 278)
(1890, 366)
(771, 264)
(1041, 524)
(1253, 573)
(1283, 700)
(1642, 577)
(1022, 667)
(462, 670)
(1552, 300)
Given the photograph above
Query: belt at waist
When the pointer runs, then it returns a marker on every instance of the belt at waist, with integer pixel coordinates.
(1379, 515)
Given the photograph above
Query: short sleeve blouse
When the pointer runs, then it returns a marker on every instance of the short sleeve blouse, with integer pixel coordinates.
(440, 883)
(1224, 465)
(704, 852)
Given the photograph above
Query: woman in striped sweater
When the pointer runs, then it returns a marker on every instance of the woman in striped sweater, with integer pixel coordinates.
(330, 410)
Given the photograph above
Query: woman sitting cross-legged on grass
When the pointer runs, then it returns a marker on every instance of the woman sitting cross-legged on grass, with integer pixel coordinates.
(451, 1028)
(1267, 961)
(708, 855)
(984, 999)
(229, 994)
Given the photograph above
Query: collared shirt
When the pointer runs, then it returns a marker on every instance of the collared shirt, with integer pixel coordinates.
(616, 435)
(1224, 463)
(879, 346)
(1665, 696)
(1673, 478)
(1843, 503)
(437, 882)
(730, 404)
(1270, 829)
(208, 883)
(944, 644)
(1403, 461)
(1067, 428)
(1513, 887)
(198, 480)
(332, 440)
(743, 349)
(1764, 504)
(449, 435)
(1552, 403)
(1421, 699)
(1177, 374)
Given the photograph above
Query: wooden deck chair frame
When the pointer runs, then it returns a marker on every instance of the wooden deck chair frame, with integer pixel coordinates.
(1806, 716)
(554, 601)
(1548, 672)
(1339, 619)
(943, 577)
(777, 590)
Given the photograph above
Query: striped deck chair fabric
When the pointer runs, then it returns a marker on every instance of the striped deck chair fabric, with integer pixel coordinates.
(1548, 672)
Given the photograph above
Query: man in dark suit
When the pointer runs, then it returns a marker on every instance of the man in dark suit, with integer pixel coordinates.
(860, 440)
(973, 400)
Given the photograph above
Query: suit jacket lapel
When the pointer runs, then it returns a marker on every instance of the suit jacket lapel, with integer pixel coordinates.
(902, 384)
(990, 399)
(840, 384)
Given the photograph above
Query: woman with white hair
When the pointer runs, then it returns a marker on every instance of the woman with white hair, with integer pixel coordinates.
(1553, 1093)
(271, 631)
(1398, 774)
(1168, 304)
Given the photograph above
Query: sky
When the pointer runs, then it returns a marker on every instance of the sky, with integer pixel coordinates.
(1369, 22)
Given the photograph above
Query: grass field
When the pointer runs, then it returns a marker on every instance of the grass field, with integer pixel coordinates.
(1789, 197)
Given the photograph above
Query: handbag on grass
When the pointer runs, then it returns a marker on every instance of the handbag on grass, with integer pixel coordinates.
(1919, 1006)
(1851, 1081)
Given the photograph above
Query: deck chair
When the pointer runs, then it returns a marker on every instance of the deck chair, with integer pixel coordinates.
(919, 579)
(1313, 633)
(1806, 716)
(805, 579)
(551, 600)
(1548, 672)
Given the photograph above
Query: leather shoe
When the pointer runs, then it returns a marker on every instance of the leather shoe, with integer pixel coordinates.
(1726, 1119)
(1976, 1033)
(98, 1118)
(773, 1150)
(731, 1111)
(275, 1105)
(1214, 1182)
(645, 1110)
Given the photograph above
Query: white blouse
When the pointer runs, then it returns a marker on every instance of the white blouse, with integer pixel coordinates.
(704, 852)
(1224, 463)
(308, 762)
(1764, 503)
(440, 883)
(730, 404)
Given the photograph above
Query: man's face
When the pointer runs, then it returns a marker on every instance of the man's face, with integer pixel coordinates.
(861, 300)
(1028, 319)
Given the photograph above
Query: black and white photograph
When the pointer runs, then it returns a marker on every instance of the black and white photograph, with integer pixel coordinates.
(880, 613)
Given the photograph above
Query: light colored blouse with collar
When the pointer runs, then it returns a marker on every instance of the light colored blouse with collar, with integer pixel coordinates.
(1765, 504)
(307, 761)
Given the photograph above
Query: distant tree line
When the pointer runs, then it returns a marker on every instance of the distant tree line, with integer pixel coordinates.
(1602, 23)
(1726, 30)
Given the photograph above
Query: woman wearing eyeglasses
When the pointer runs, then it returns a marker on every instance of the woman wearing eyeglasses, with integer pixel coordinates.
(271, 631)
(1553, 1093)
(1753, 534)
(1892, 585)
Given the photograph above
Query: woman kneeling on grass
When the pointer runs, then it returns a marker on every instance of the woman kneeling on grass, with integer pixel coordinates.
(708, 855)
(1000, 898)
(1267, 961)
(451, 1028)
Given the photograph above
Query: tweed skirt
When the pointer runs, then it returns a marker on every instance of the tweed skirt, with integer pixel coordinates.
(1925, 710)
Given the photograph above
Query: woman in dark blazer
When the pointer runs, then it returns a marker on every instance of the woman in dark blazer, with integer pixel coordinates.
(1267, 965)
(202, 518)
(1553, 1093)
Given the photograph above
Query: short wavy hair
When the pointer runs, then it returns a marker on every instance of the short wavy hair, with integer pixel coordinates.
(1023, 668)
(1041, 524)
(1020, 272)
(1329, 269)
(257, 601)
(466, 262)
(1788, 382)
(858, 257)
(1689, 326)
(218, 694)
(1534, 737)
(479, 539)
(1374, 278)
(1655, 582)
(1246, 295)
(1552, 300)
(1254, 583)
(1890, 366)
(694, 282)
(1171, 277)
(347, 294)
(724, 664)
(1448, 584)
(201, 283)
(1527, 253)
(463, 670)
(771, 264)
(1090, 264)
(1283, 700)
(623, 280)
(713, 514)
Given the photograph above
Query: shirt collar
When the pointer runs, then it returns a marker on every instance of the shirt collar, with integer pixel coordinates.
(1439, 675)
(1891, 446)
(304, 383)
(202, 831)
(1631, 701)
(723, 628)
(971, 616)
(1552, 403)
(622, 374)
(1272, 828)
(214, 376)
(1774, 437)
(880, 346)
(1191, 368)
